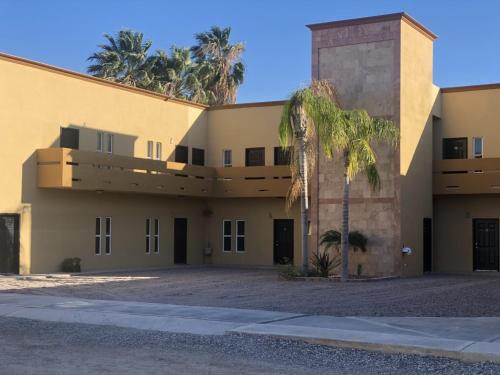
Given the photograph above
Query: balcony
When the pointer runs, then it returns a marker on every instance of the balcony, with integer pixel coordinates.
(62, 168)
(466, 176)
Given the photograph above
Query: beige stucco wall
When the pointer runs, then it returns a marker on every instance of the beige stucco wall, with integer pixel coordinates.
(470, 113)
(238, 128)
(36, 101)
(418, 96)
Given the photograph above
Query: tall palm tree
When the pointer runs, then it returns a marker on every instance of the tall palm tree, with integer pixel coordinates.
(124, 59)
(302, 114)
(352, 138)
(218, 65)
(169, 72)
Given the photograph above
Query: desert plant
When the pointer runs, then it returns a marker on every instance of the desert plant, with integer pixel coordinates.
(71, 265)
(332, 238)
(289, 272)
(324, 263)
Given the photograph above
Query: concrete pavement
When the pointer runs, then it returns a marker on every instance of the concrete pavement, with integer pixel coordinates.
(472, 339)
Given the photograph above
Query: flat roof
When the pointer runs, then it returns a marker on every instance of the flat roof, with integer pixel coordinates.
(487, 86)
(374, 19)
(248, 105)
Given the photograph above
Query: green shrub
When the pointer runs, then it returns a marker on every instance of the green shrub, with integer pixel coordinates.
(324, 263)
(289, 272)
(71, 265)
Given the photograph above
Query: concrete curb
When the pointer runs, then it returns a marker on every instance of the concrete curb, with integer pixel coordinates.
(463, 350)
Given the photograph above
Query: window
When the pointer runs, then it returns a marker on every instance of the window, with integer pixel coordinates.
(101, 146)
(156, 232)
(255, 157)
(97, 236)
(198, 156)
(455, 148)
(282, 156)
(107, 232)
(478, 147)
(240, 235)
(70, 138)
(181, 154)
(227, 158)
(100, 138)
(109, 143)
(150, 149)
(158, 150)
(226, 235)
(148, 236)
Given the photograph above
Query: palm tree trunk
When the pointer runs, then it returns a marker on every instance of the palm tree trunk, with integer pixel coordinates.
(304, 207)
(344, 239)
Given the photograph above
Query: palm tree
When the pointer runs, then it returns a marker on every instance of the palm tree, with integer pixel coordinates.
(169, 73)
(352, 138)
(219, 70)
(124, 59)
(302, 114)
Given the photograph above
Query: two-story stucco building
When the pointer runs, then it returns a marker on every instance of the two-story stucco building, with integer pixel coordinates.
(125, 178)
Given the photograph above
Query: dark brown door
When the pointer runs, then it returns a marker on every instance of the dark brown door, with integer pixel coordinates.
(485, 244)
(9, 243)
(180, 241)
(427, 244)
(283, 240)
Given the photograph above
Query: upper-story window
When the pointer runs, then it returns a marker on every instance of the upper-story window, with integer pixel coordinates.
(105, 142)
(478, 147)
(70, 138)
(150, 149)
(158, 150)
(227, 158)
(198, 156)
(454, 148)
(282, 156)
(255, 157)
(181, 154)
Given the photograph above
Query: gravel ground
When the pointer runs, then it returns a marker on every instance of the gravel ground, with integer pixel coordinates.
(433, 295)
(33, 347)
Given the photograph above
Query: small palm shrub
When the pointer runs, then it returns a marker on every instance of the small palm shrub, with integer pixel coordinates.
(324, 263)
(71, 265)
(289, 272)
(331, 238)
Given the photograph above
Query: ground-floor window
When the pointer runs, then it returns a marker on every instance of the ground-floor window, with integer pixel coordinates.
(148, 236)
(240, 235)
(226, 235)
(152, 235)
(156, 248)
(107, 248)
(97, 236)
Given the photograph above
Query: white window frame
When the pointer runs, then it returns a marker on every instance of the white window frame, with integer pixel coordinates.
(158, 150)
(148, 235)
(100, 141)
(474, 148)
(150, 149)
(224, 158)
(108, 236)
(240, 235)
(156, 236)
(98, 236)
(224, 235)
(110, 143)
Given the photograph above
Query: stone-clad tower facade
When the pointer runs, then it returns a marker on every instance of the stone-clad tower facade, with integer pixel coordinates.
(384, 65)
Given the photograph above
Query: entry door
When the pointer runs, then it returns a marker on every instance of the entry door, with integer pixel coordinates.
(427, 244)
(9, 243)
(485, 244)
(180, 241)
(283, 240)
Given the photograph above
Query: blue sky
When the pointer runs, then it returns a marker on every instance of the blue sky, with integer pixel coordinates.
(278, 47)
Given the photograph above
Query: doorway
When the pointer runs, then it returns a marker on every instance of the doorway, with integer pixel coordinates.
(485, 237)
(180, 241)
(9, 243)
(283, 241)
(427, 244)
